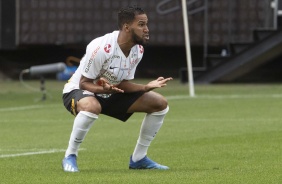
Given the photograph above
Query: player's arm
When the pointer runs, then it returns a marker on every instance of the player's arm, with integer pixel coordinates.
(128, 86)
(101, 86)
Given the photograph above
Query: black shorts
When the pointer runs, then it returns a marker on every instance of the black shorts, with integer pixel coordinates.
(115, 106)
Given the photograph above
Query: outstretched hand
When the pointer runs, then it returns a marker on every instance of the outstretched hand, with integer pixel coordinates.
(158, 83)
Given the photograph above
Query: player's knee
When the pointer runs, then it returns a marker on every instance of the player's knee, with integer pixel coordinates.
(89, 106)
(160, 104)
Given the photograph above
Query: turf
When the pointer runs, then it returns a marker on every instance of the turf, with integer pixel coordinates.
(226, 134)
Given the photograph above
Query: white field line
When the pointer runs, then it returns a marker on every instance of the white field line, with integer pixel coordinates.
(227, 120)
(34, 153)
(234, 96)
(174, 97)
(26, 107)
(267, 120)
(31, 153)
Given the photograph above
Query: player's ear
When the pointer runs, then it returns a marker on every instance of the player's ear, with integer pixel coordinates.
(126, 27)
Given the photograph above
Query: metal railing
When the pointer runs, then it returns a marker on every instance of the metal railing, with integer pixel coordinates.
(276, 12)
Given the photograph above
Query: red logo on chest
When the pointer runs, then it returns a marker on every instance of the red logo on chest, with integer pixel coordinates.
(141, 49)
(107, 48)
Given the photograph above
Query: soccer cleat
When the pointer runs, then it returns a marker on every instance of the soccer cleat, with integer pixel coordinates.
(146, 163)
(69, 163)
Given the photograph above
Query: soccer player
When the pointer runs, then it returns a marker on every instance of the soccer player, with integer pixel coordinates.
(101, 84)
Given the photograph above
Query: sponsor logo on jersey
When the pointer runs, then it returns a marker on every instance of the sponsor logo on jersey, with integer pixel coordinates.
(85, 92)
(112, 58)
(111, 77)
(113, 67)
(115, 56)
(107, 48)
(91, 59)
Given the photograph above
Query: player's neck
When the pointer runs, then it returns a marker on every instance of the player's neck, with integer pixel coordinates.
(125, 44)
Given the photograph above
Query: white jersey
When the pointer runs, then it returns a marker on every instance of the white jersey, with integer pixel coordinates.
(104, 58)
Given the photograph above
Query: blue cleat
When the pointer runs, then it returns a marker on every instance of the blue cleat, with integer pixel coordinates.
(146, 163)
(69, 163)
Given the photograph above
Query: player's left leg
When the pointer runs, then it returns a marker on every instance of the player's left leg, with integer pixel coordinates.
(156, 108)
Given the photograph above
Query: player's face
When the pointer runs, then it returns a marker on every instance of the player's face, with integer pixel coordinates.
(139, 30)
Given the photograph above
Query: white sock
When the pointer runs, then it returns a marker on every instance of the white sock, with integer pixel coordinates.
(149, 128)
(82, 124)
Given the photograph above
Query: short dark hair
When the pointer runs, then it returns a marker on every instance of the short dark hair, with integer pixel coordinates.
(127, 15)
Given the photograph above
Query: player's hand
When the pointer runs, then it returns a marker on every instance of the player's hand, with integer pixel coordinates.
(108, 87)
(158, 83)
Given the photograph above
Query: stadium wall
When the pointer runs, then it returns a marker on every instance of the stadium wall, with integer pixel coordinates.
(47, 31)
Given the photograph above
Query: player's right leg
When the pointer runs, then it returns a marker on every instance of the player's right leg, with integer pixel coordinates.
(86, 108)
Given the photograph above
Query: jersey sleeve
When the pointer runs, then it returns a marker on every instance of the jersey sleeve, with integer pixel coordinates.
(94, 59)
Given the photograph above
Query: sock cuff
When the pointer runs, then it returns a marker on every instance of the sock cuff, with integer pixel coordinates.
(89, 114)
(161, 112)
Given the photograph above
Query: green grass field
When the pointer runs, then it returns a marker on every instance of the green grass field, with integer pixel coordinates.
(226, 134)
